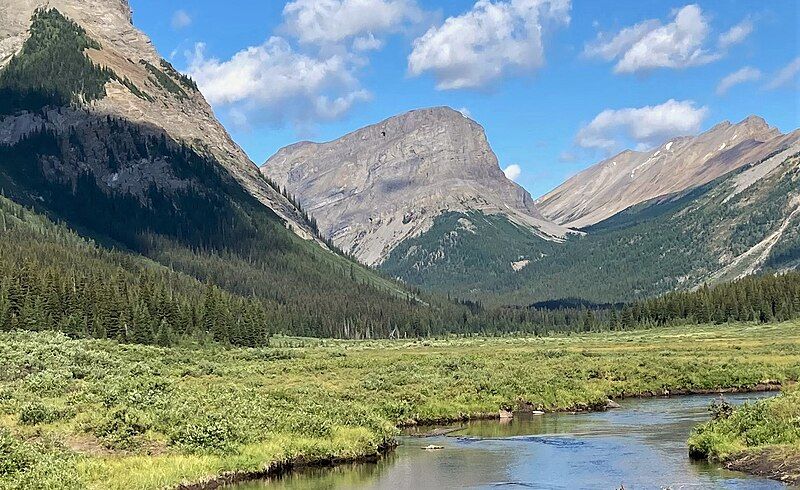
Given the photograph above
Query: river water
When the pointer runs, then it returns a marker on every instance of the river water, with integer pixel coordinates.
(641, 446)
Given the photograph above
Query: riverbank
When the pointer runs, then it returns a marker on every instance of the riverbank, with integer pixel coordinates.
(113, 416)
(762, 438)
(280, 468)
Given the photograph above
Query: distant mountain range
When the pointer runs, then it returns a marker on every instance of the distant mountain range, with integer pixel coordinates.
(632, 177)
(421, 196)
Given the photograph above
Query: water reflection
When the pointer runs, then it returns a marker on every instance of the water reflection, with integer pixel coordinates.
(642, 445)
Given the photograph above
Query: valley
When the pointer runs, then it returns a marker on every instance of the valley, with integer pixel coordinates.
(173, 315)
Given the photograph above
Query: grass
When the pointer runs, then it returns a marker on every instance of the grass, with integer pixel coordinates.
(761, 437)
(96, 414)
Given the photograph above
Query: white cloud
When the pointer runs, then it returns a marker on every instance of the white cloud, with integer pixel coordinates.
(465, 112)
(787, 76)
(746, 74)
(367, 43)
(489, 41)
(645, 126)
(608, 49)
(275, 83)
(335, 21)
(512, 172)
(736, 34)
(181, 19)
(650, 45)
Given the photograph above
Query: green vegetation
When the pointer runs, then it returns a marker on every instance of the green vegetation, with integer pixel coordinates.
(660, 246)
(762, 437)
(164, 80)
(52, 279)
(52, 69)
(462, 253)
(185, 80)
(128, 416)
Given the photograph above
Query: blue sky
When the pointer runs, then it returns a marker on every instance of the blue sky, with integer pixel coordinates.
(558, 85)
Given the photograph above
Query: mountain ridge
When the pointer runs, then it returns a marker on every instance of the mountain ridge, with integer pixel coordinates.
(631, 177)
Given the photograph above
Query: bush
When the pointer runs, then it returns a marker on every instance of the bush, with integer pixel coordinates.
(122, 427)
(15, 456)
(720, 409)
(26, 465)
(38, 413)
(212, 433)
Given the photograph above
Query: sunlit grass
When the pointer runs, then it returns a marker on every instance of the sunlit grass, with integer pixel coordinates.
(127, 416)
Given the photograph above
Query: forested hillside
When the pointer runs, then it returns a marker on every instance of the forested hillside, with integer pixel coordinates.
(713, 233)
(131, 187)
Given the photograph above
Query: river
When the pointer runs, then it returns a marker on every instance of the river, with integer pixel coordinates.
(640, 446)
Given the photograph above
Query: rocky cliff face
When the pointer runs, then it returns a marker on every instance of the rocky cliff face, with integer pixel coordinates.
(632, 177)
(165, 102)
(377, 186)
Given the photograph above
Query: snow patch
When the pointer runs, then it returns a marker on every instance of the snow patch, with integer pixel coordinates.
(669, 145)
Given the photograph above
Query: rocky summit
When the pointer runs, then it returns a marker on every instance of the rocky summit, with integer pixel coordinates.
(382, 184)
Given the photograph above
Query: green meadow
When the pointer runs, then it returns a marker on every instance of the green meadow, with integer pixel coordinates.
(98, 414)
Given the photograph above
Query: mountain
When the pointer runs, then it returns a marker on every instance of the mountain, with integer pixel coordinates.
(747, 221)
(632, 177)
(378, 186)
(421, 197)
(141, 88)
(121, 167)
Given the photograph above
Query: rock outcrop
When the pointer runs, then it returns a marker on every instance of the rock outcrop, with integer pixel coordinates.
(382, 184)
(632, 177)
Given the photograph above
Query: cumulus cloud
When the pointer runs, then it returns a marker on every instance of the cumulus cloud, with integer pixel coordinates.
(181, 19)
(650, 44)
(309, 72)
(645, 126)
(746, 74)
(736, 34)
(489, 41)
(786, 77)
(275, 83)
(513, 172)
(335, 21)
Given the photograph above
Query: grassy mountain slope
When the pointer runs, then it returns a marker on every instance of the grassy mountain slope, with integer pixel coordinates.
(708, 234)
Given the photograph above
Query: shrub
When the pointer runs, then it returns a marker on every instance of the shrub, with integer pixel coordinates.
(720, 409)
(122, 427)
(38, 413)
(212, 433)
(15, 456)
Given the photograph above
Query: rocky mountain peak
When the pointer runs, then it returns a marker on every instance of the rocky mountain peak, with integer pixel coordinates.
(681, 163)
(379, 185)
